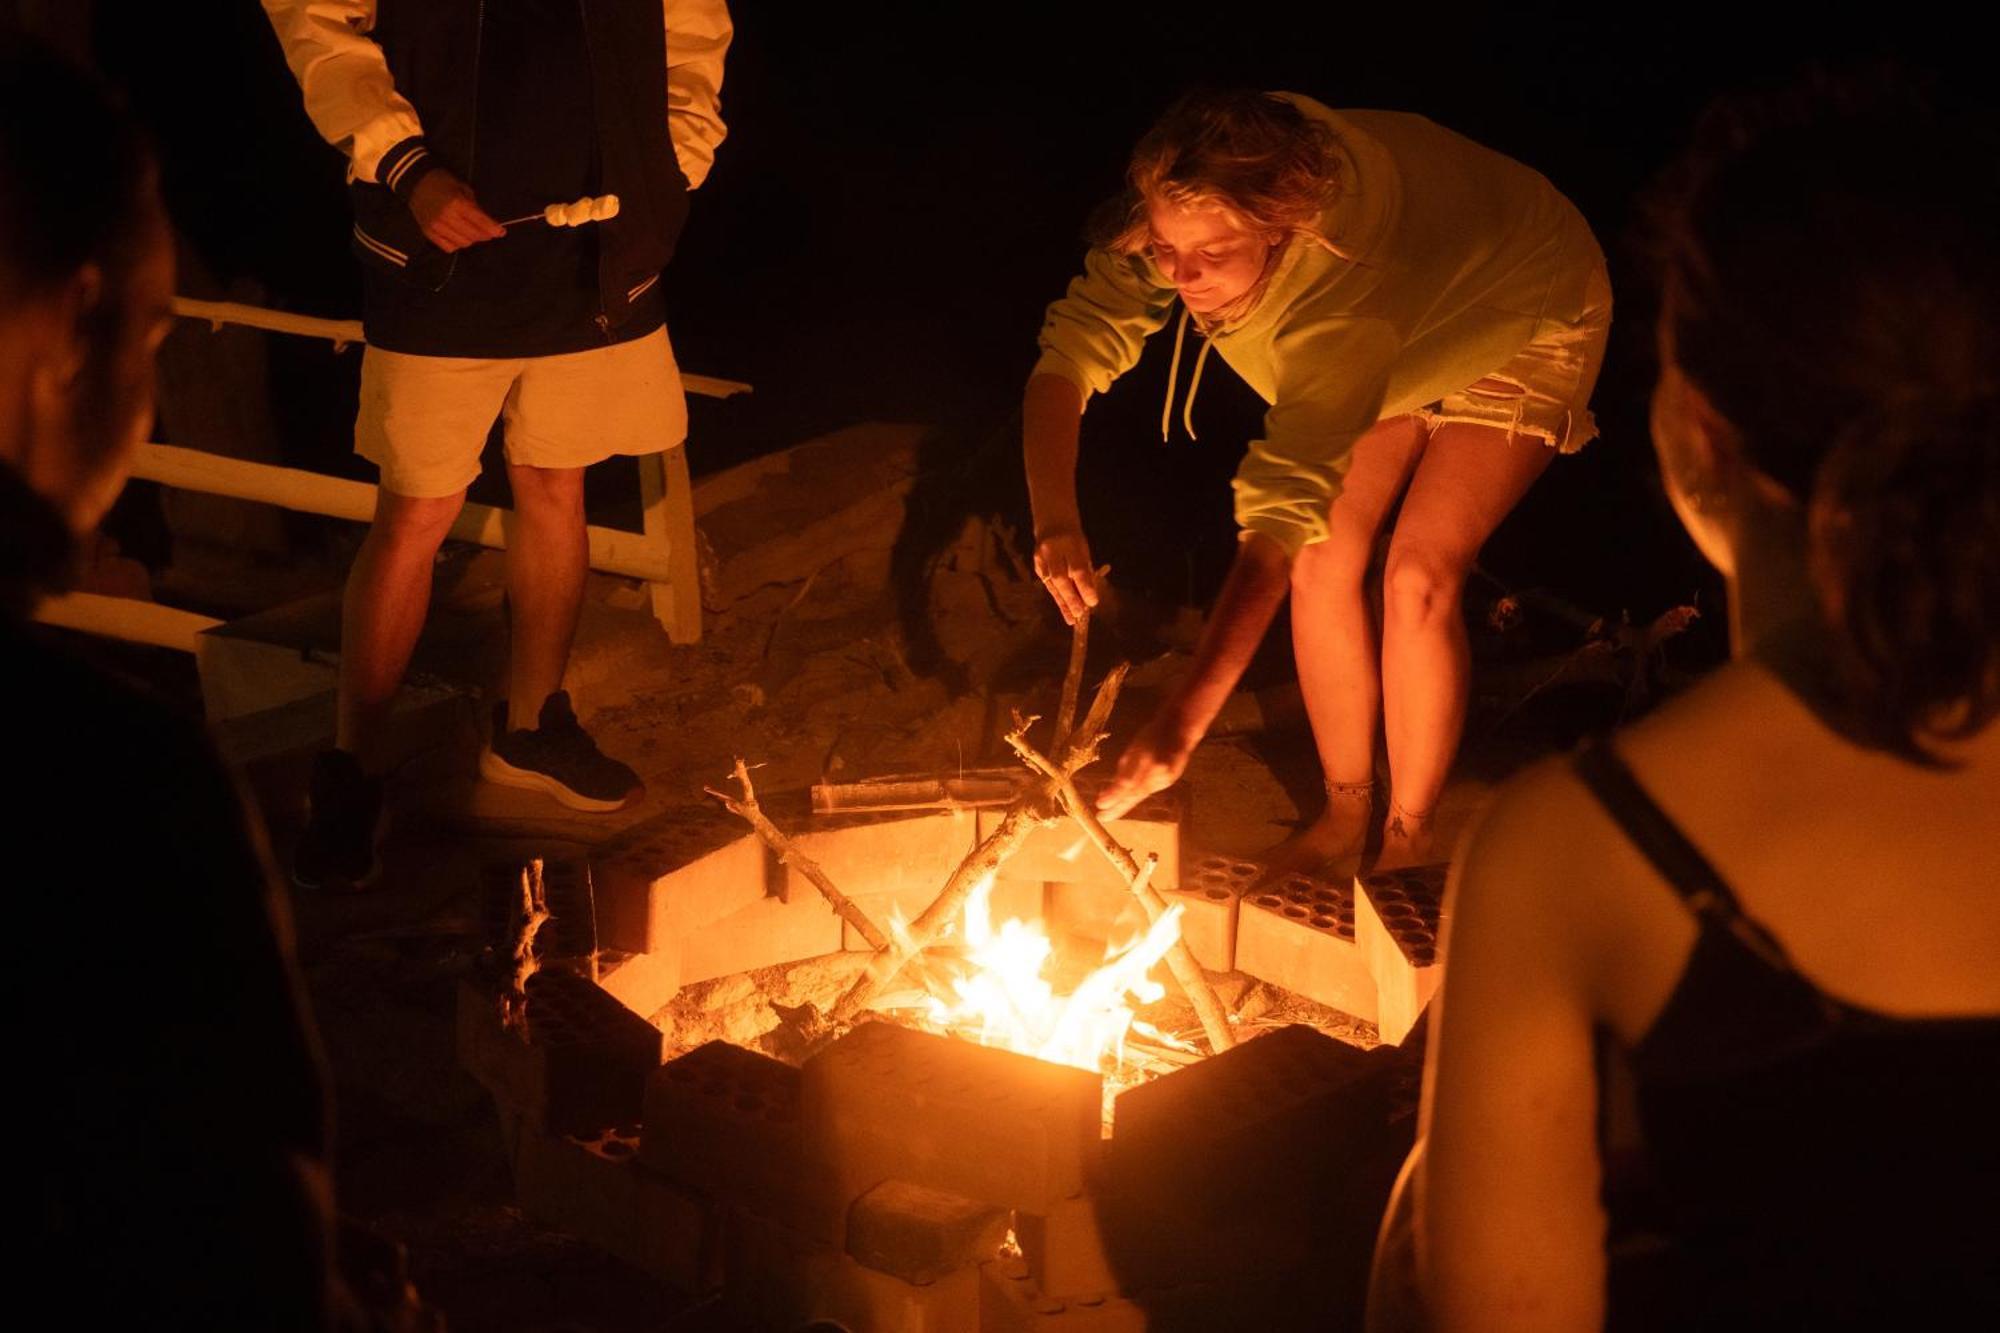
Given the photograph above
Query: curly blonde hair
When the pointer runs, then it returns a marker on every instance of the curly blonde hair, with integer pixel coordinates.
(1254, 153)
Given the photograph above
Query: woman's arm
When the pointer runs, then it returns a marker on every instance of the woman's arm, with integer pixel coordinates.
(1258, 580)
(1089, 338)
(1510, 1234)
(1051, 415)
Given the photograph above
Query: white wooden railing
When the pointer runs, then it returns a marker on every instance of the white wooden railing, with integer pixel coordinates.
(661, 552)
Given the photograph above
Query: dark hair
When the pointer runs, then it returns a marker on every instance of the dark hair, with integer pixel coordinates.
(1831, 279)
(76, 175)
(1256, 153)
(77, 188)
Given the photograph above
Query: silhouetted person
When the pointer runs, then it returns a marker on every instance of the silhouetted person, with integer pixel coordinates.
(170, 1139)
(1780, 895)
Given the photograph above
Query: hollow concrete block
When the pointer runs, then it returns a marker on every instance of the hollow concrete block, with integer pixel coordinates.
(724, 1121)
(903, 856)
(1063, 1246)
(1299, 933)
(890, 1103)
(1238, 1164)
(643, 982)
(673, 874)
(776, 1277)
(1096, 910)
(1010, 1301)
(763, 933)
(597, 1190)
(1210, 898)
(581, 1066)
(1399, 919)
(922, 1235)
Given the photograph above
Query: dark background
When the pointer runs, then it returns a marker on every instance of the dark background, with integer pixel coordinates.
(904, 186)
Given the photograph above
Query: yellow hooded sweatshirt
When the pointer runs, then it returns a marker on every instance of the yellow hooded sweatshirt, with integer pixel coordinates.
(1444, 259)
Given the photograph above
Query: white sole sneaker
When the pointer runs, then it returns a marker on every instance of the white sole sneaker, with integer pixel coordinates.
(497, 770)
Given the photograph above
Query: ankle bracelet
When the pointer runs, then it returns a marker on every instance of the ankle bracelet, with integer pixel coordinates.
(1348, 790)
(1401, 816)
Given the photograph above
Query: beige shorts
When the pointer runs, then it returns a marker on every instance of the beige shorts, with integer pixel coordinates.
(424, 419)
(1544, 392)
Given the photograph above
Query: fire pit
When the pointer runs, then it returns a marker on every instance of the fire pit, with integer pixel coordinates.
(899, 1178)
(971, 1107)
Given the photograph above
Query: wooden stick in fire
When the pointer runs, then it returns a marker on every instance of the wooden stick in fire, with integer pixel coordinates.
(788, 852)
(1033, 809)
(1079, 642)
(1193, 981)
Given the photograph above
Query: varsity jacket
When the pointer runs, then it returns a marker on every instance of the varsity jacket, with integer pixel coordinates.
(396, 85)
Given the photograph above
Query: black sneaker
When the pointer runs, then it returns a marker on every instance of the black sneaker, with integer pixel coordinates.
(557, 757)
(337, 849)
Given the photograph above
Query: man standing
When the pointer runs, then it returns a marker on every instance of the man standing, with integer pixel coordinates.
(454, 113)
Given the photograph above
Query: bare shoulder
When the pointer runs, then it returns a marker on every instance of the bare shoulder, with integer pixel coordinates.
(1518, 870)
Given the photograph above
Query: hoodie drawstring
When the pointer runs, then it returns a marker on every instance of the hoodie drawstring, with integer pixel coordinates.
(1173, 381)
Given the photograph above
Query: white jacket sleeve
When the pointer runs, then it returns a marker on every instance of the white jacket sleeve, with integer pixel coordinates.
(348, 92)
(698, 33)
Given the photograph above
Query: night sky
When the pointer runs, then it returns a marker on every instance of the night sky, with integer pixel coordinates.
(904, 188)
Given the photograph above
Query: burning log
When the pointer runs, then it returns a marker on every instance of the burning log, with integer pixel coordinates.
(973, 789)
(1033, 809)
(748, 810)
(1193, 981)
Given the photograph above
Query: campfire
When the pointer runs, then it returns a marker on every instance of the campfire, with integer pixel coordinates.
(923, 1016)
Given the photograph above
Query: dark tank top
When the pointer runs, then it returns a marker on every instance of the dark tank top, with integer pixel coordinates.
(1813, 1164)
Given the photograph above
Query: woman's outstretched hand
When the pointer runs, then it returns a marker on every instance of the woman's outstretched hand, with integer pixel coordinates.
(1154, 761)
(1062, 562)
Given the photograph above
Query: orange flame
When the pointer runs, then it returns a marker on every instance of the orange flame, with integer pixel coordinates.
(1002, 997)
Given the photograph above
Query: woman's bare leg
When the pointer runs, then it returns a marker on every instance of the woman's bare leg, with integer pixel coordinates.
(1333, 642)
(1470, 478)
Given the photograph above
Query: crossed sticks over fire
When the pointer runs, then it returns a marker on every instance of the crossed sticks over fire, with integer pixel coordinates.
(1052, 795)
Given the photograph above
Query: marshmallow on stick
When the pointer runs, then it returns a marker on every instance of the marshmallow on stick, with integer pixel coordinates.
(583, 210)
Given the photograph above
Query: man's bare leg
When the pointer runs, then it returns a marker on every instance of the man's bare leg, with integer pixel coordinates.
(1470, 478)
(1333, 642)
(548, 557)
(382, 613)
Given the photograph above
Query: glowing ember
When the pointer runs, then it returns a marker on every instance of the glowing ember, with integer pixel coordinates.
(1001, 997)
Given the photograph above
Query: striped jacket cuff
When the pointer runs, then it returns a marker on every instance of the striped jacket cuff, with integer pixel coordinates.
(404, 165)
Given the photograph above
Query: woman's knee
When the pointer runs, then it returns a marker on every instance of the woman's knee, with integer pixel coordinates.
(1421, 584)
(1329, 571)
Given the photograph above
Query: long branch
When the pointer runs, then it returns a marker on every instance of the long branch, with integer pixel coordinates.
(1033, 809)
(788, 852)
(1193, 981)
(1079, 645)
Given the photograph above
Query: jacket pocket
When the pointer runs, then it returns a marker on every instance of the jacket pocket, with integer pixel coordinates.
(388, 242)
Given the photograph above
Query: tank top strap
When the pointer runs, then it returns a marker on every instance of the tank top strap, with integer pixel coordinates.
(1693, 878)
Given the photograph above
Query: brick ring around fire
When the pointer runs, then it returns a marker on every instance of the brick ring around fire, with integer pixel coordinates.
(871, 1186)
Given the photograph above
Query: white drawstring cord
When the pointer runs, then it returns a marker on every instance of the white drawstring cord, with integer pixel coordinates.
(1173, 377)
(1173, 380)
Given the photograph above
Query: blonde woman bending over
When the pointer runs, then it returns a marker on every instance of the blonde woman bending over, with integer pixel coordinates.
(1426, 319)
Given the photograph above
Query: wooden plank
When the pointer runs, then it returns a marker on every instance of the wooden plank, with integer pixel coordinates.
(343, 333)
(612, 550)
(125, 618)
(667, 498)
